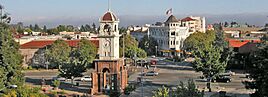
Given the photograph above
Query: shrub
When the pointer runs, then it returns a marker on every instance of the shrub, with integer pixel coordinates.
(129, 89)
(56, 83)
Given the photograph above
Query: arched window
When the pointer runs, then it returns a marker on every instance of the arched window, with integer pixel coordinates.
(115, 28)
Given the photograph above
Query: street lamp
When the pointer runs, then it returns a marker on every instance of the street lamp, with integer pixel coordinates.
(155, 51)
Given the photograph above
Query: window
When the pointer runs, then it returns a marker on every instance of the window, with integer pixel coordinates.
(172, 33)
(115, 28)
(177, 42)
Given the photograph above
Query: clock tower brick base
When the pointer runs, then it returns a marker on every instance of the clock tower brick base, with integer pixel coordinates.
(108, 75)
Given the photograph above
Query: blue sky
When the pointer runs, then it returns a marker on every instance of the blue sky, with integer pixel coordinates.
(44, 11)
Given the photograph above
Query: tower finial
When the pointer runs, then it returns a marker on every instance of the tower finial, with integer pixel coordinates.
(109, 5)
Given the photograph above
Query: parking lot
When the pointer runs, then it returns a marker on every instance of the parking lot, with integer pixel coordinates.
(171, 75)
(35, 78)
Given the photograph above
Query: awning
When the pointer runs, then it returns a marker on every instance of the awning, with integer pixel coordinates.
(165, 51)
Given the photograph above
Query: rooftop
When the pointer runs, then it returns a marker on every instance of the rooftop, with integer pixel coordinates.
(172, 18)
(187, 19)
(109, 16)
(37, 44)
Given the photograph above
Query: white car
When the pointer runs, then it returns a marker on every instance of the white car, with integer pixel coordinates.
(151, 73)
(86, 78)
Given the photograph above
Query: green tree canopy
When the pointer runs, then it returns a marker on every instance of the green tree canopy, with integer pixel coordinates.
(182, 90)
(75, 68)
(188, 90)
(211, 55)
(148, 44)
(44, 28)
(10, 59)
(131, 47)
(259, 70)
(58, 53)
(37, 28)
(86, 51)
(162, 92)
(199, 39)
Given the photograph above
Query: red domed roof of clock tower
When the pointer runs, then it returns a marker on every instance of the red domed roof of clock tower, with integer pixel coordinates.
(109, 16)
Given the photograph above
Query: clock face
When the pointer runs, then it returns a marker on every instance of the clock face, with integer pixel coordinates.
(106, 43)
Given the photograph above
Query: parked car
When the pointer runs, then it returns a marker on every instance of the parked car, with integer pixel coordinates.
(150, 73)
(153, 62)
(228, 73)
(141, 62)
(59, 78)
(226, 79)
(86, 78)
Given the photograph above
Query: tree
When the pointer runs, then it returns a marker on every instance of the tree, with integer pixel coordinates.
(86, 51)
(70, 28)
(25, 91)
(82, 29)
(209, 62)
(226, 24)
(20, 30)
(148, 44)
(181, 91)
(53, 31)
(10, 59)
(94, 28)
(37, 28)
(28, 30)
(45, 28)
(31, 27)
(187, 91)
(131, 47)
(56, 83)
(73, 69)
(61, 28)
(11, 65)
(259, 70)
(162, 92)
(211, 53)
(88, 28)
(58, 53)
(122, 30)
(199, 39)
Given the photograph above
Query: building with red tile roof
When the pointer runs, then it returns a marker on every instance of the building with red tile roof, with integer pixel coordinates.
(37, 44)
(236, 43)
(243, 46)
(33, 51)
(109, 16)
(187, 19)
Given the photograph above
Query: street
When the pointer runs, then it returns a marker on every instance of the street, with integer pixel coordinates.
(170, 75)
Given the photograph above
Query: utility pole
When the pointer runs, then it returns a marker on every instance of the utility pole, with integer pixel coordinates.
(124, 46)
(1, 10)
(142, 68)
(156, 51)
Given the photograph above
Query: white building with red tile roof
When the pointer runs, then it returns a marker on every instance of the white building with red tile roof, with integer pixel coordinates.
(169, 36)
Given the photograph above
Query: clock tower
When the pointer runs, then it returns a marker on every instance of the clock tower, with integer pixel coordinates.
(109, 37)
(110, 72)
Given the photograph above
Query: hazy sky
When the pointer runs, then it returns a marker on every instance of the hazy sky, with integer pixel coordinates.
(82, 11)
